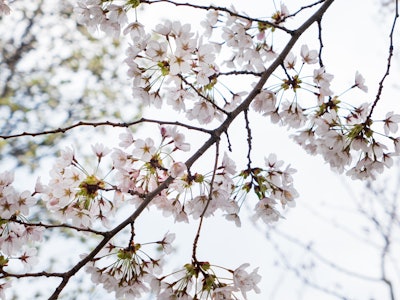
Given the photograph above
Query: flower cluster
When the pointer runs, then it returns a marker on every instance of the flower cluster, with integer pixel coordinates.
(180, 68)
(130, 272)
(199, 280)
(127, 271)
(73, 193)
(15, 235)
(104, 15)
(176, 66)
(271, 184)
(143, 168)
(345, 135)
(12, 203)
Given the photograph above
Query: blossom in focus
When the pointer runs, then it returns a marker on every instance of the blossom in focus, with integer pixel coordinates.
(177, 137)
(359, 82)
(290, 61)
(144, 149)
(321, 77)
(180, 63)
(265, 210)
(391, 123)
(244, 281)
(309, 57)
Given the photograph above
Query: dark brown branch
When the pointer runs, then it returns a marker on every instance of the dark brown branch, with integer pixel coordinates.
(249, 138)
(321, 44)
(63, 225)
(257, 74)
(105, 123)
(5, 274)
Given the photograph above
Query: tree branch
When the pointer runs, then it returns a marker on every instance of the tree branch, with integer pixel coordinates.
(104, 123)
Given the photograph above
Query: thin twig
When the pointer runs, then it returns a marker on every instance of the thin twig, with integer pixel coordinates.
(389, 61)
(61, 226)
(209, 199)
(104, 123)
(249, 138)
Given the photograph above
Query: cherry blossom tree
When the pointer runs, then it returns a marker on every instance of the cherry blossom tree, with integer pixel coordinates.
(233, 68)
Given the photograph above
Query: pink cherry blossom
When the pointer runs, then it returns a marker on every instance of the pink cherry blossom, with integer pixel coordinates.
(157, 50)
(391, 123)
(100, 150)
(144, 149)
(290, 61)
(264, 102)
(265, 210)
(180, 63)
(321, 77)
(246, 282)
(359, 82)
(29, 258)
(309, 57)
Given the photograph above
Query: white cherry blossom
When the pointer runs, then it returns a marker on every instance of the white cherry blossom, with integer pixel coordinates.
(264, 102)
(391, 123)
(144, 149)
(309, 56)
(245, 281)
(359, 82)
